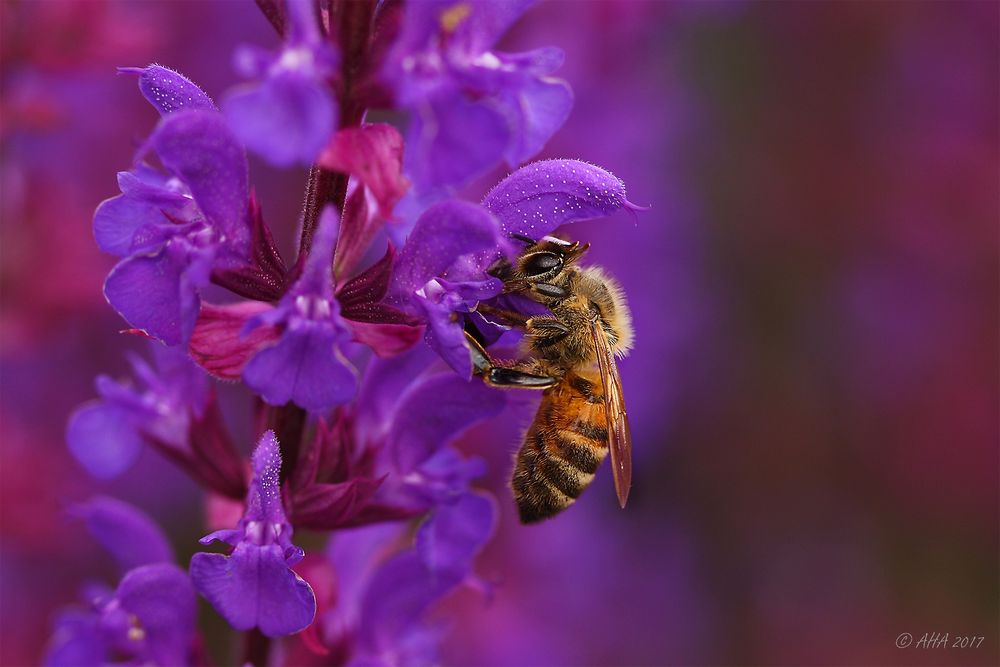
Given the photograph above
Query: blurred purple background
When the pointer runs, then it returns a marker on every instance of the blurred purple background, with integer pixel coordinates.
(814, 391)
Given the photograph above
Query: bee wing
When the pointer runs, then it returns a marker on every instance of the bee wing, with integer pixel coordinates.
(619, 435)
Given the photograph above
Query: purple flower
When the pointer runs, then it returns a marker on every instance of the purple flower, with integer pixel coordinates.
(288, 114)
(381, 610)
(455, 532)
(471, 106)
(440, 273)
(412, 411)
(305, 365)
(387, 455)
(254, 585)
(149, 619)
(174, 229)
(223, 347)
(106, 435)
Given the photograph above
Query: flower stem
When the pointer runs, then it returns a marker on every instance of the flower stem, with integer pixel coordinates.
(256, 648)
(351, 25)
(354, 18)
(324, 187)
(289, 425)
(274, 12)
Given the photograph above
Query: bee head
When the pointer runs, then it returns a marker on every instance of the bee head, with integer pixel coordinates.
(542, 261)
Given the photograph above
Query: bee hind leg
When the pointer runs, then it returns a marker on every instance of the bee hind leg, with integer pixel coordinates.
(502, 376)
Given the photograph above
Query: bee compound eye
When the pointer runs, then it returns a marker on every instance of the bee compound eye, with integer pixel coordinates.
(541, 263)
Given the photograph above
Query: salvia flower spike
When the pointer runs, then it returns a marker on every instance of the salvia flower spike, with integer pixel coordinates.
(355, 354)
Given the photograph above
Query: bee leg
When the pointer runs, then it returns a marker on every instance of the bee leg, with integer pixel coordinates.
(481, 361)
(501, 316)
(546, 328)
(550, 291)
(511, 377)
(501, 376)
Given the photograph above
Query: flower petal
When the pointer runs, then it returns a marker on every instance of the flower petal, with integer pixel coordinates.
(447, 474)
(445, 335)
(163, 600)
(103, 439)
(373, 153)
(230, 536)
(127, 533)
(302, 20)
(441, 302)
(473, 291)
(168, 90)
(446, 233)
(435, 411)
(537, 62)
(158, 292)
(361, 222)
(254, 588)
(286, 118)
(455, 533)
(385, 339)
(453, 140)
(400, 592)
(117, 220)
(537, 109)
(177, 378)
(146, 201)
(369, 286)
(317, 275)
(383, 382)
(76, 640)
(487, 23)
(539, 197)
(213, 458)
(264, 277)
(199, 148)
(144, 182)
(264, 500)
(304, 367)
(468, 27)
(329, 506)
(218, 343)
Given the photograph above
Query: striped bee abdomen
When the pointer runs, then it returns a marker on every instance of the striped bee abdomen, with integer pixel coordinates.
(563, 448)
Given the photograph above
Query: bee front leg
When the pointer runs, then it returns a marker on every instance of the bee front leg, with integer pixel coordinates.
(502, 376)
(502, 316)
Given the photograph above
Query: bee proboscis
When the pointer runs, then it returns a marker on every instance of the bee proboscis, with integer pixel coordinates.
(582, 414)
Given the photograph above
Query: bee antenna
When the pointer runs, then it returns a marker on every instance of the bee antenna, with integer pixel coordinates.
(577, 250)
(524, 239)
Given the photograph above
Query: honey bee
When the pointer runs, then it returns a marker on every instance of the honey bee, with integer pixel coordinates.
(572, 361)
